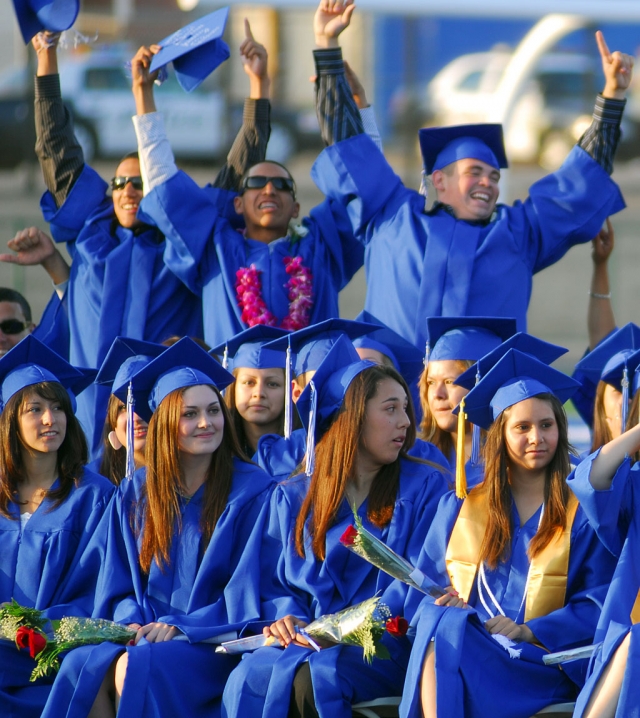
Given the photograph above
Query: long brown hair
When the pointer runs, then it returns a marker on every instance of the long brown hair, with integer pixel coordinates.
(429, 429)
(114, 461)
(159, 516)
(497, 539)
(71, 456)
(601, 431)
(335, 464)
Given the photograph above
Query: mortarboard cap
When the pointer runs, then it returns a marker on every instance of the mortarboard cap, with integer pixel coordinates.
(312, 344)
(248, 348)
(466, 338)
(526, 343)
(181, 365)
(610, 354)
(195, 50)
(440, 146)
(35, 16)
(124, 359)
(514, 378)
(330, 382)
(31, 362)
(406, 358)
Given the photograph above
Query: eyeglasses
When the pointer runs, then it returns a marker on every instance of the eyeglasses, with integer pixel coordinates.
(12, 326)
(282, 184)
(121, 182)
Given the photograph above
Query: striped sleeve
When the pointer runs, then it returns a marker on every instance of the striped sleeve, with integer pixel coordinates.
(602, 137)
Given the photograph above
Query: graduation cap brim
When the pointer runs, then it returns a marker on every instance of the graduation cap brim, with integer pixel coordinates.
(185, 354)
(248, 348)
(613, 375)
(124, 348)
(594, 363)
(526, 343)
(35, 16)
(195, 50)
(517, 377)
(433, 140)
(486, 333)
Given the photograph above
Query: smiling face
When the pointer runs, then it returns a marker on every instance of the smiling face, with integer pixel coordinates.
(201, 424)
(42, 424)
(127, 200)
(11, 312)
(259, 396)
(385, 425)
(531, 434)
(443, 395)
(469, 187)
(267, 211)
(140, 428)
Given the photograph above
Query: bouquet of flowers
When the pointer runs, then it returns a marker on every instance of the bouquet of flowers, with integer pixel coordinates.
(377, 553)
(26, 627)
(361, 625)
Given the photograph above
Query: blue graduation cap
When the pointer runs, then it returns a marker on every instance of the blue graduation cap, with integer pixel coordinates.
(195, 50)
(31, 362)
(34, 16)
(526, 343)
(515, 377)
(248, 349)
(466, 338)
(440, 146)
(181, 365)
(124, 359)
(324, 394)
(406, 358)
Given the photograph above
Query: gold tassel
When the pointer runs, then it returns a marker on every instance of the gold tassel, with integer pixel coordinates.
(461, 473)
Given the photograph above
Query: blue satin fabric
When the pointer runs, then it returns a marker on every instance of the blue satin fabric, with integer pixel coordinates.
(420, 265)
(308, 588)
(120, 285)
(204, 592)
(206, 252)
(469, 663)
(51, 565)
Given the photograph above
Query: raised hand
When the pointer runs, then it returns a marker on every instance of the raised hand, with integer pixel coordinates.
(331, 18)
(255, 63)
(142, 79)
(603, 244)
(32, 246)
(618, 69)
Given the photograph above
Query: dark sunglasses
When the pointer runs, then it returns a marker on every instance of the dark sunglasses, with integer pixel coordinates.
(121, 182)
(12, 326)
(282, 184)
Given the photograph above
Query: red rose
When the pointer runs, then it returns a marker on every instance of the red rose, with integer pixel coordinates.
(349, 536)
(33, 640)
(397, 626)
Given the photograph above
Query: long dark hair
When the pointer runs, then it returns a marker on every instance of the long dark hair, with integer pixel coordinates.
(71, 456)
(159, 517)
(497, 540)
(114, 461)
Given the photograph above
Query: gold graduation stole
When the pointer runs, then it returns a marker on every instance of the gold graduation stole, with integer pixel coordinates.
(635, 611)
(547, 585)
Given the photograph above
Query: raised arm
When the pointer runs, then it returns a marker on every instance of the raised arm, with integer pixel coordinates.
(32, 246)
(58, 151)
(367, 114)
(250, 145)
(338, 114)
(611, 456)
(602, 137)
(600, 319)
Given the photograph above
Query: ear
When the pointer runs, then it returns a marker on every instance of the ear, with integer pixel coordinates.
(114, 441)
(437, 178)
(238, 204)
(296, 390)
(295, 212)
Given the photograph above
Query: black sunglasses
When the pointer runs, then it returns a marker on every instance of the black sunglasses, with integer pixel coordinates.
(121, 182)
(12, 326)
(282, 184)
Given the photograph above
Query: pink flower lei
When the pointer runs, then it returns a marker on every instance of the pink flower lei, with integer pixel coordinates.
(299, 287)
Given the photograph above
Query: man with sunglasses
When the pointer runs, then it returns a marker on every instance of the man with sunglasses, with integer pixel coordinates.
(118, 283)
(15, 319)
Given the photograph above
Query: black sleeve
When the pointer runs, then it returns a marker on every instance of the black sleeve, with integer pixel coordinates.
(602, 137)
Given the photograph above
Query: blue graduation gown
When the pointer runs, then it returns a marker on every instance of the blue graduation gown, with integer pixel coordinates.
(615, 514)
(420, 265)
(427, 450)
(48, 566)
(309, 588)
(280, 457)
(206, 252)
(120, 285)
(204, 593)
(472, 669)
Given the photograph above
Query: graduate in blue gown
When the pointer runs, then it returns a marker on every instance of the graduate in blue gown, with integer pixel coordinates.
(50, 507)
(445, 262)
(453, 345)
(525, 571)
(605, 483)
(183, 544)
(363, 429)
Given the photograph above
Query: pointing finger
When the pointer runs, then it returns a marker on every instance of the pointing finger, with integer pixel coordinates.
(605, 53)
(247, 30)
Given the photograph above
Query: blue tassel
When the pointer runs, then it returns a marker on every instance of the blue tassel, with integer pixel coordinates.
(131, 464)
(288, 399)
(310, 463)
(625, 398)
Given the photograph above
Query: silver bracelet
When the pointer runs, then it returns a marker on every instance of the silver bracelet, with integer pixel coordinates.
(595, 295)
